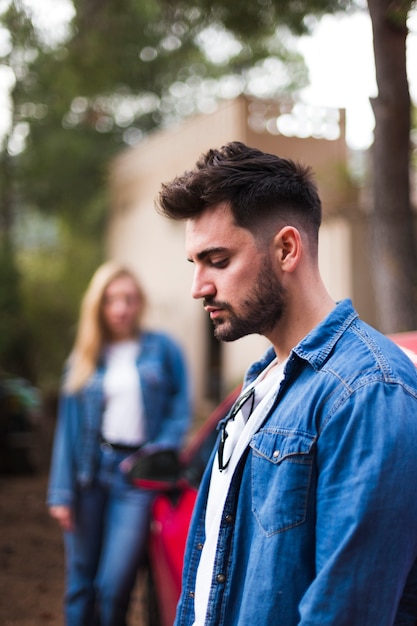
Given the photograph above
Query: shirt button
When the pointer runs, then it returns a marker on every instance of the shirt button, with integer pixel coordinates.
(229, 518)
(191, 594)
(221, 578)
(276, 454)
(200, 546)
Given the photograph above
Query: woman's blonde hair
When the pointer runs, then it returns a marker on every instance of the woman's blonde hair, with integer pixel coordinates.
(91, 333)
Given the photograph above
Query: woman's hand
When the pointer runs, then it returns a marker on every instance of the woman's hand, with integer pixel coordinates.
(64, 516)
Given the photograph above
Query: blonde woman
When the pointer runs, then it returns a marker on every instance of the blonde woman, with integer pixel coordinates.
(124, 387)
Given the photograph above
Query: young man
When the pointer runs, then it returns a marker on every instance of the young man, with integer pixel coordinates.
(307, 513)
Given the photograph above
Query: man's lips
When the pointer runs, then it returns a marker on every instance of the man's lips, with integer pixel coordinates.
(213, 311)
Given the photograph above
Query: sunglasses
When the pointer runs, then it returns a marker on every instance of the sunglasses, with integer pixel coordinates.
(247, 396)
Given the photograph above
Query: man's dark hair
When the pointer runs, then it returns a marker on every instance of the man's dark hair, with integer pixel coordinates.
(260, 188)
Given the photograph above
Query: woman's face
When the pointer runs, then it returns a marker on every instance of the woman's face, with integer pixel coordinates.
(120, 308)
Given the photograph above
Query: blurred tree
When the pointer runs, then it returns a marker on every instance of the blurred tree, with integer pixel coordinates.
(13, 331)
(414, 138)
(123, 69)
(176, 44)
(120, 72)
(51, 285)
(393, 234)
(393, 244)
(19, 38)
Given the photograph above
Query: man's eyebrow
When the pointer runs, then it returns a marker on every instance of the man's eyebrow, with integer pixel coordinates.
(207, 252)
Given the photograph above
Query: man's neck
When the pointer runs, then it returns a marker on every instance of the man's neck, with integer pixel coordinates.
(294, 326)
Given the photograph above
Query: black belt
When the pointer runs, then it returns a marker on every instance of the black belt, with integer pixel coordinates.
(118, 447)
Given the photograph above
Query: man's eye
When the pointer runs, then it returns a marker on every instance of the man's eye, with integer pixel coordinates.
(219, 263)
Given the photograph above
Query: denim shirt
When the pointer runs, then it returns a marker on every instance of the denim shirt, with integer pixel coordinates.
(167, 410)
(320, 522)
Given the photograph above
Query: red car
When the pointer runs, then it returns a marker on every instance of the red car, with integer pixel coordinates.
(177, 480)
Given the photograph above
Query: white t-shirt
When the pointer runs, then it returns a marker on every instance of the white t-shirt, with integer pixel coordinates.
(239, 433)
(123, 416)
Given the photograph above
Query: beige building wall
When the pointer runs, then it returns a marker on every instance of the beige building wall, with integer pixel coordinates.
(154, 247)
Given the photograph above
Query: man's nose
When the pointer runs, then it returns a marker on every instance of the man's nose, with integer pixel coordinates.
(202, 286)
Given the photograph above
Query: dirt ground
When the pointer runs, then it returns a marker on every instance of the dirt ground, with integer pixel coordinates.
(32, 560)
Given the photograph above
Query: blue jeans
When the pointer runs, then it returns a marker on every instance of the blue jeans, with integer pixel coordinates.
(107, 547)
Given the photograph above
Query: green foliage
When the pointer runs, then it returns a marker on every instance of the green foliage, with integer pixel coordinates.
(68, 176)
(53, 280)
(77, 103)
(13, 346)
(256, 18)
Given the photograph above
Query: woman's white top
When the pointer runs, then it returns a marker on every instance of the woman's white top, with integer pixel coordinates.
(123, 417)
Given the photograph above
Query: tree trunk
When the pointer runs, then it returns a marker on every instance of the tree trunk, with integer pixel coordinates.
(6, 197)
(392, 241)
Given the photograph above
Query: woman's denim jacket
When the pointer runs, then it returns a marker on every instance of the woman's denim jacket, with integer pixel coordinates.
(320, 522)
(165, 391)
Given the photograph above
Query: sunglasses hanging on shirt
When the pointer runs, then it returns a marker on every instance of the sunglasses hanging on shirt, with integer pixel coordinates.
(247, 397)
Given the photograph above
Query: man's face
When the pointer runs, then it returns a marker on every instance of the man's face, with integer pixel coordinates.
(237, 281)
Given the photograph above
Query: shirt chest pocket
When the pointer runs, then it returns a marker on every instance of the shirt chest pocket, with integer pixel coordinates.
(281, 466)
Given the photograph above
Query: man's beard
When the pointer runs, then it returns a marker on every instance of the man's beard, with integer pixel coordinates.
(260, 310)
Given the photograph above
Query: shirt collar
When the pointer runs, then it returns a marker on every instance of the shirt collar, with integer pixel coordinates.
(316, 346)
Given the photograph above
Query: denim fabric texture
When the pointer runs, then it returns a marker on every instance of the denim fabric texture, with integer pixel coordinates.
(166, 400)
(112, 516)
(320, 522)
(103, 564)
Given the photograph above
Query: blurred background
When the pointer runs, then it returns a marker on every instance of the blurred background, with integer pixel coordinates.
(102, 100)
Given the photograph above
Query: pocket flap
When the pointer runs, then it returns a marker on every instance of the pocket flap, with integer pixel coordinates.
(281, 444)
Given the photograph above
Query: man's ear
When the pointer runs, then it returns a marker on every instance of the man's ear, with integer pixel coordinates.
(288, 246)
